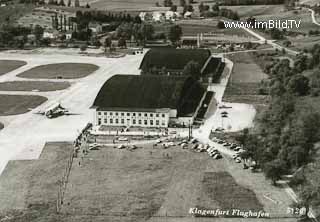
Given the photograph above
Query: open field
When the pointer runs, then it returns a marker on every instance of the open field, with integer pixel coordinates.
(60, 70)
(40, 17)
(31, 185)
(193, 27)
(128, 5)
(10, 65)
(147, 184)
(301, 42)
(11, 13)
(243, 86)
(41, 86)
(18, 104)
(245, 69)
(302, 15)
(78, 99)
(256, 10)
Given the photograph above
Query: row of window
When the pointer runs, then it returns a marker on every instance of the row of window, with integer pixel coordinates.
(134, 122)
(132, 114)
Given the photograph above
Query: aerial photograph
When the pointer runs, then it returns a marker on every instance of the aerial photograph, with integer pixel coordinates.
(159, 110)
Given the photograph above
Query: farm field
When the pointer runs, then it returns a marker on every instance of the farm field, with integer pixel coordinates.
(245, 69)
(193, 27)
(18, 104)
(10, 65)
(301, 42)
(143, 185)
(11, 13)
(41, 86)
(256, 10)
(128, 5)
(39, 17)
(60, 70)
(303, 15)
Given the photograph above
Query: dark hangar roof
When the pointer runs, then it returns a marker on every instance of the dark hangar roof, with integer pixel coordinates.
(134, 92)
(174, 59)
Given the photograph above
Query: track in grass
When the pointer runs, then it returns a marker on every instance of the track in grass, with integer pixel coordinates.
(41, 86)
(18, 104)
(10, 65)
(222, 188)
(60, 71)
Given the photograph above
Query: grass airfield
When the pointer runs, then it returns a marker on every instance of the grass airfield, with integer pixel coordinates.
(78, 99)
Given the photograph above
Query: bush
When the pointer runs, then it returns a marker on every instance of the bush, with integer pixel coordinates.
(315, 92)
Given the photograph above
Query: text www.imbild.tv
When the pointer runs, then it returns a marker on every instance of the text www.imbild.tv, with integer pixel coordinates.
(270, 24)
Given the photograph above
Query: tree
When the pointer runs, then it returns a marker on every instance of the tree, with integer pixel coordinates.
(309, 195)
(192, 69)
(277, 88)
(301, 63)
(69, 3)
(182, 3)
(87, 5)
(299, 85)
(122, 43)
(38, 32)
(61, 3)
(215, 7)
(167, 3)
(83, 48)
(174, 8)
(276, 34)
(107, 42)
(220, 25)
(201, 7)
(273, 170)
(175, 33)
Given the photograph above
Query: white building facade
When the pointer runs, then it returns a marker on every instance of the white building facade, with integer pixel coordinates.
(158, 118)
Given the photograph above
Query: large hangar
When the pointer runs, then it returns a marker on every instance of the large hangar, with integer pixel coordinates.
(147, 101)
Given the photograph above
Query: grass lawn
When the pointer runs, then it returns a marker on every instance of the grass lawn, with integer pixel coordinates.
(10, 65)
(41, 86)
(245, 69)
(142, 185)
(18, 104)
(31, 186)
(221, 187)
(60, 70)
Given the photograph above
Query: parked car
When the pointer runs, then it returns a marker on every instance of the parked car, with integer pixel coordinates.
(122, 139)
(121, 146)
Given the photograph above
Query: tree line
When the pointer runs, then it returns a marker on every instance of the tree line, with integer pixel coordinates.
(285, 141)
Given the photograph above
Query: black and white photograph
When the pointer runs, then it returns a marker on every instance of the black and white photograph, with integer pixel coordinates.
(159, 110)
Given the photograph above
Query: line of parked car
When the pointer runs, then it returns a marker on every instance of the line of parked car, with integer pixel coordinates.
(232, 146)
(199, 147)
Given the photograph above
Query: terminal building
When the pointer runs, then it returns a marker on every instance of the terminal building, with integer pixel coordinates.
(147, 101)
